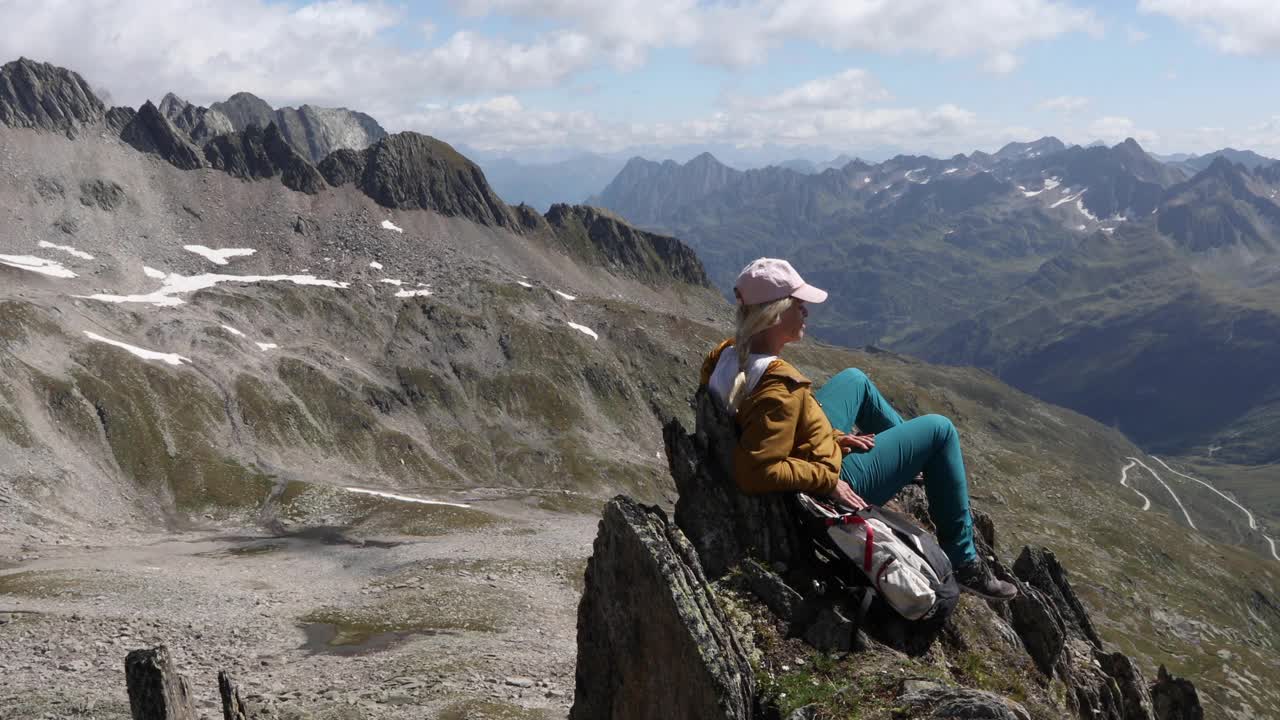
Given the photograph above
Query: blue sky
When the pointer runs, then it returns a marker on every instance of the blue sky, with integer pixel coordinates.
(537, 78)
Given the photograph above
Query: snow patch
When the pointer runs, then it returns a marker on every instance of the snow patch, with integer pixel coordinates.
(1083, 210)
(1068, 198)
(153, 273)
(1049, 184)
(584, 330)
(523, 284)
(375, 265)
(390, 281)
(66, 249)
(266, 346)
(170, 358)
(403, 498)
(52, 268)
(388, 225)
(218, 257)
(948, 171)
(566, 296)
(233, 331)
(413, 293)
(175, 285)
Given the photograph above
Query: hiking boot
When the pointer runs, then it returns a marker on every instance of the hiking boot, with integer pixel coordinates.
(977, 578)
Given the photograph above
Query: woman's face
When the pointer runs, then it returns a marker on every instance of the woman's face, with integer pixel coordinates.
(791, 326)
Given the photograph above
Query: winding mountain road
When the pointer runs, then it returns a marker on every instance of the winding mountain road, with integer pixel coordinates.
(1253, 523)
(1160, 480)
(1124, 480)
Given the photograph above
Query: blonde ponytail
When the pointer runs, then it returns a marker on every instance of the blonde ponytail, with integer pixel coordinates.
(752, 320)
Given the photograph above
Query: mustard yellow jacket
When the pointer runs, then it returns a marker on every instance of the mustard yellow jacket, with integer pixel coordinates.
(785, 441)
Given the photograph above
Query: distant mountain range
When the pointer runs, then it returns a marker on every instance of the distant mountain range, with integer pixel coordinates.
(1099, 278)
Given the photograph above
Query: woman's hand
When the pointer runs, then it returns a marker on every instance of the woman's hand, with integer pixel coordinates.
(857, 443)
(845, 495)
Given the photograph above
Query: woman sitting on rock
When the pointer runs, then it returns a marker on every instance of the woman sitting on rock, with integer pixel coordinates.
(787, 436)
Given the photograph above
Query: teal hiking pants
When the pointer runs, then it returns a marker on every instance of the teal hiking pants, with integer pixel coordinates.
(903, 448)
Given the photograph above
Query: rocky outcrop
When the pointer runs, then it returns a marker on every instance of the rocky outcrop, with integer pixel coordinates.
(725, 525)
(46, 97)
(118, 118)
(1059, 636)
(1175, 698)
(647, 605)
(151, 132)
(244, 109)
(411, 171)
(255, 153)
(314, 132)
(317, 131)
(645, 573)
(932, 700)
(103, 194)
(199, 123)
(603, 239)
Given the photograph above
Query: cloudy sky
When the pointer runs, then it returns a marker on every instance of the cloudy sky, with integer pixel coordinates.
(860, 76)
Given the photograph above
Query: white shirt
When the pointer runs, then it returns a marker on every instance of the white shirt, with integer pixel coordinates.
(727, 369)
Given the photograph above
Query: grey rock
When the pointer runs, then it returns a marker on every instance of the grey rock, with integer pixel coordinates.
(232, 705)
(412, 171)
(118, 118)
(151, 132)
(1040, 568)
(316, 131)
(199, 123)
(647, 605)
(46, 97)
(1134, 692)
(780, 598)
(50, 188)
(724, 524)
(103, 194)
(156, 690)
(244, 109)
(931, 700)
(601, 238)
(256, 153)
(831, 631)
(808, 712)
(1174, 698)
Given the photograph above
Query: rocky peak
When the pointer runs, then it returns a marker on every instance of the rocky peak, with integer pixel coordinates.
(412, 171)
(244, 109)
(603, 239)
(199, 123)
(46, 97)
(255, 153)
(149, 131)
(318, 131)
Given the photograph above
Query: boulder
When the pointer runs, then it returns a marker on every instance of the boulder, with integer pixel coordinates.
(725, 525)
(1174, 698)
(933, 700)
(151, 132)
(46, 97)
(653, 642)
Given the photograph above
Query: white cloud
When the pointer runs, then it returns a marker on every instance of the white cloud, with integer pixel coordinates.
(850, 88)
(743, 33)
(840, 110)
(1064, 104)
(1239, 27)
(1001, 63)
(1135, 35)
(332, 52)
(1116, 128)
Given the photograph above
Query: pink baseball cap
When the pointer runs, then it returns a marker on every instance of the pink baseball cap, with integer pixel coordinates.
(769, 279)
